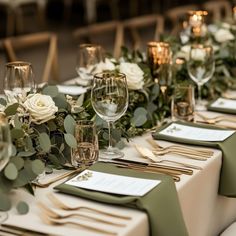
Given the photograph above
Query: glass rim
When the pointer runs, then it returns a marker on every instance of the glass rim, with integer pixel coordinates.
(18, 63)
(158, 44)
(89, 45)
(101, 75)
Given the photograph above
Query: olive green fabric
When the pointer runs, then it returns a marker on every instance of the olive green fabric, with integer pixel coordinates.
(227, 185)
(161, 203)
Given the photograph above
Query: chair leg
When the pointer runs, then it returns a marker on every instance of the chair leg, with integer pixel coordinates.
(10, 22)
(19, 20)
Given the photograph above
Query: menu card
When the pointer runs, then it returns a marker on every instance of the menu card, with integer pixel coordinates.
(224, 103)
(110, 183)
(196, 133)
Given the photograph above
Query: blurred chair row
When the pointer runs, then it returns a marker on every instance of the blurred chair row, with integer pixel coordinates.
(119, 30)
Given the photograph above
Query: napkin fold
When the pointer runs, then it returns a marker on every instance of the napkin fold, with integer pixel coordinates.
(227, 185)
(161, 203)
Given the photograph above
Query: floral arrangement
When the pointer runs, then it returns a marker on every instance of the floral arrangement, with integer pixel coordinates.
(221, 37)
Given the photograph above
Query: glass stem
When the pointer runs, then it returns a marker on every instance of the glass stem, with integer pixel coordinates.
(199, 94)
(109, 123)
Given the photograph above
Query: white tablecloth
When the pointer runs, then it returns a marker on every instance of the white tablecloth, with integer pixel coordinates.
(205, 212)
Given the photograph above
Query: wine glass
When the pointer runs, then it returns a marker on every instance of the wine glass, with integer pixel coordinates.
(201, 66)
(18, 80)
(5, 151)
(109, 97)
(88, 56)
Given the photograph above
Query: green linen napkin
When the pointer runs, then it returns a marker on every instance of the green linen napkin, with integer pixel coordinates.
(227, 185)
(161, 203)
(221, 109)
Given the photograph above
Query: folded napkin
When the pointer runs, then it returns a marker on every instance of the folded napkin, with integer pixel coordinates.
(218, 107)
(227, 185)
(161, 203)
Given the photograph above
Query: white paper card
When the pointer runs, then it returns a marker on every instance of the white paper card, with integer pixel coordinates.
(71, 90)
(110, 183)
(224, 103)
(195, 133)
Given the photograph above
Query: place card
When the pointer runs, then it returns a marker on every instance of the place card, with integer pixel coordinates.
(71, 90)
(196, 133)
(111, 183)
(224, 103)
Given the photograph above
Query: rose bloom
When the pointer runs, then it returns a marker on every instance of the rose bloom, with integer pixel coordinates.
(41, 107)
(103, 66)
(198, 54)
(223, 35)
(134, 75)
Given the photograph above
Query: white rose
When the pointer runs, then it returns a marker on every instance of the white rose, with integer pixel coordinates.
(106, 65)
(184, 52)
(41, 107)
(198, 54)
(133, 74)
(223, 35)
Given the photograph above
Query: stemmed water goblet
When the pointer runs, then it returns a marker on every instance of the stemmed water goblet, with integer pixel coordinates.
(109, 97)
(18, 80)
(201, 66)
(88, 56)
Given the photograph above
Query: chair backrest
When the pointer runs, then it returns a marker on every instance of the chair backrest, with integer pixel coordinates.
(12, 44)
(135, 25)
(218, 10)
(90, 34)
(177, 15)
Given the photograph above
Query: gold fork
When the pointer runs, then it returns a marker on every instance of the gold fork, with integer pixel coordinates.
(51, 221)
(216, 119)
(57, 178)
(52, 214)
(200, 151)
(63, 206)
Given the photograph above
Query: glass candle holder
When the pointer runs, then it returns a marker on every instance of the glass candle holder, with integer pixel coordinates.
(159, 57)
(86, 152)
(197, 23)
(183, 103)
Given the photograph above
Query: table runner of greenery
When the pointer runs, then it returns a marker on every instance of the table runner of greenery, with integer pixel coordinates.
(161, 203)
(227, 186)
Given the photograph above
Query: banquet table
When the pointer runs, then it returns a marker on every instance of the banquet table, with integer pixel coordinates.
(205, 212)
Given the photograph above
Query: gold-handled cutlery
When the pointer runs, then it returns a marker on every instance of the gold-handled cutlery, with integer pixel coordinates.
(57, 178)
(16, 230)
(146, 153)
(51, 221)
(216, 119)
(58, 203)
(55, 215)
(198, 151)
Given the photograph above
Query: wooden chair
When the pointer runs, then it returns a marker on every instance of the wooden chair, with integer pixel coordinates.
(89, 34)
(15, 16)
(143, 22)
(12, 44)
(177, 15)
(218, 10)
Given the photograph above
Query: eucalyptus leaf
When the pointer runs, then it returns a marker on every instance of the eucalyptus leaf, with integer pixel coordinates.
(13, 150)
(139, 120)
(69, 124)
(22, 208)
(51, 91)
(18, 162)
(60, 101)
(17, 122)
(54, 160)
(70, 140)
(26, 154)
(11, 109)
(17, 133)
(80, 100)
(3, 102)
(45, 142)
(11, 171)
(38, 167)
(5, 203)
